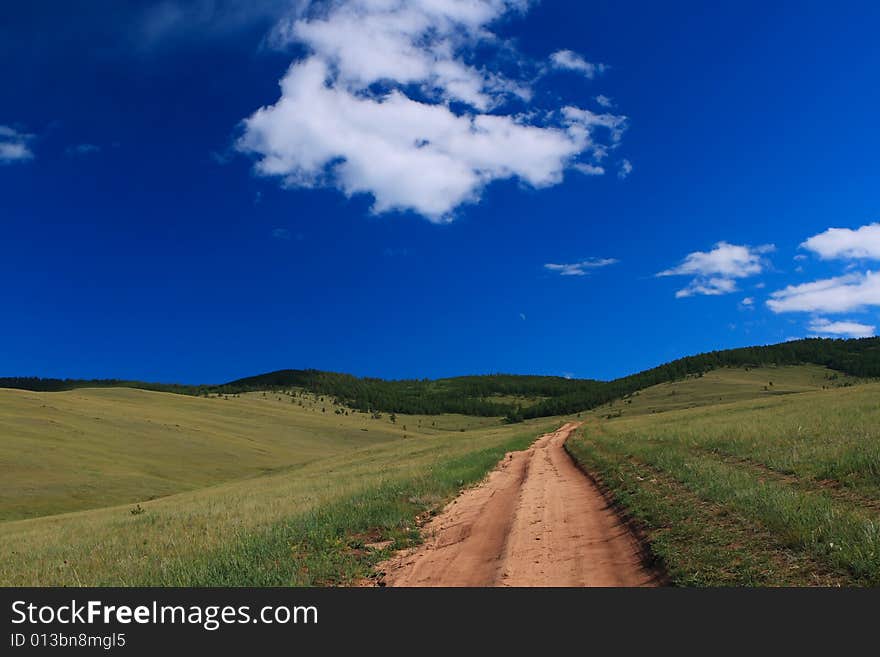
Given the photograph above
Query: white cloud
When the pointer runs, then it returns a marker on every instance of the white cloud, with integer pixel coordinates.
(625, 169)
(580, 268)
(845, 243)
(589, 169)
(570, 61)
(605, 101)
(845, 328)
(715, 272)
(281, 233)
(831, 295)
(387, 102)
(14, 145)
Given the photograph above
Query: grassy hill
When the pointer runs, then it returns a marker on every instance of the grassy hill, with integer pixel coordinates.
(736, 485)
(726, 385)
(737, 472)
(88, 448)
(304, 525)
(513, 396)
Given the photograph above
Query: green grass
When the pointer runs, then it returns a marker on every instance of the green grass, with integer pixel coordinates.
(727, 385)
(775, 490)
(300, 523)
(89, 448)
(734, 481)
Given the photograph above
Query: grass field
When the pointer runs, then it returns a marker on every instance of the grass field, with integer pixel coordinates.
(759, 476)
(776, 489)
(89, 448)
(305, 488)
(728, 385)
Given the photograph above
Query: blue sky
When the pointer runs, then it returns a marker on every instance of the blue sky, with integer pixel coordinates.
(394, 209)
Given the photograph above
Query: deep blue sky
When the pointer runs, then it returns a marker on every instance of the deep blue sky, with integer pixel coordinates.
(162, 256)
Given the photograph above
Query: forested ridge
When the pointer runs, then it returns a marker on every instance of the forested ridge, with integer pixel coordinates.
(490, 395)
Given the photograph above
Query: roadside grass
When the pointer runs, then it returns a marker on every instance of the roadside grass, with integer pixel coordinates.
(330, 545)
(303, 526)
(694, 541)
(89, 448)
(705, 484)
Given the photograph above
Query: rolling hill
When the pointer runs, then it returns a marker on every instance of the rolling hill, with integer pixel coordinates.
(516, 397)
(261, 481)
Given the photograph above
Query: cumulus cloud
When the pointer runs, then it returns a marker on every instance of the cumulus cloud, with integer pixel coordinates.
(625, 169)
(847, 244)
(580, 268)
(715, 272)
(570, 61)
(388, 101)
(847, 328)
(605, 101)
(831, 295)
(14, 145)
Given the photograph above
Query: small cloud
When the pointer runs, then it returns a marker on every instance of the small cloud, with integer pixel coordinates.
(14, 145)
(82, 149)
(605, 101)
(258, 197)
(580, 268)
(589, 169)
(715, 272)
(846, 328)
(625, 169)
(760, 286)
(800, 256)
(522, 316)
(747, 304)
(570, 61)
(281, 234)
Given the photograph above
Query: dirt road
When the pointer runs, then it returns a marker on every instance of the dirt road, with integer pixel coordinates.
(535, 521)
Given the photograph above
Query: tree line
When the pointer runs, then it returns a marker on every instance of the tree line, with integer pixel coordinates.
(477, 395)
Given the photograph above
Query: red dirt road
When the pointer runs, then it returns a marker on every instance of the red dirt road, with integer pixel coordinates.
(536, 520)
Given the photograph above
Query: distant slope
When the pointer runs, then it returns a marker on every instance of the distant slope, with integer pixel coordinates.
(726, 385)
(89, 448)
(493, 395)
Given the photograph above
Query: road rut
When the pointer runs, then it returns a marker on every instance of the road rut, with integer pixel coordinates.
(536, 520)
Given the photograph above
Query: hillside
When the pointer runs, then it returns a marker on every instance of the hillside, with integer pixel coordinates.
(93, 447)
(772, 490)
(258, 489)
(516, 397)
(303, 525)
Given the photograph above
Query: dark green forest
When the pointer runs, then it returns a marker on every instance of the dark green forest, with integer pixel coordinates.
(483, 395)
